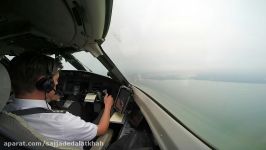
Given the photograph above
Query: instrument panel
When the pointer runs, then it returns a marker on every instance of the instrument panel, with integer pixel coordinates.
(75, 85)
(82, 86)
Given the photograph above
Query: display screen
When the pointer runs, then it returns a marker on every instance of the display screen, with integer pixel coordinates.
(122, 99)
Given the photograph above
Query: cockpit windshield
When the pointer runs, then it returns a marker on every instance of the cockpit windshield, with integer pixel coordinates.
(90, 63)
(204, 61)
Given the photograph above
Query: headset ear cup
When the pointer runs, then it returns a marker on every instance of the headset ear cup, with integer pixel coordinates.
(50, 86)
(45, 84)
(39, 84)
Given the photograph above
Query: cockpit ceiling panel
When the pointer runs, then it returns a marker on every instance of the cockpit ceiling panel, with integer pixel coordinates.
(65, 23)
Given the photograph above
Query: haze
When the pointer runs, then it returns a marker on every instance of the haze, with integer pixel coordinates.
(221, 39)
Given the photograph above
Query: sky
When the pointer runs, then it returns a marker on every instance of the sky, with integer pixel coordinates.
(192, 37)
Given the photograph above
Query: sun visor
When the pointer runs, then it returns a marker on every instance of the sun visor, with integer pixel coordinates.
(94, 18)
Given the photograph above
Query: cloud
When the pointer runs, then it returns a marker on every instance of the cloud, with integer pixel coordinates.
(199, 36)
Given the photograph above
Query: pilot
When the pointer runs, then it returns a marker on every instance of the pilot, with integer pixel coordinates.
(34, 78)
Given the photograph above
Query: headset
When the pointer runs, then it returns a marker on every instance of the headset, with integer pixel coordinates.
(46, 83)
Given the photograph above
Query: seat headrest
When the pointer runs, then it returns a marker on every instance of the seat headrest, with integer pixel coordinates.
(5, 86)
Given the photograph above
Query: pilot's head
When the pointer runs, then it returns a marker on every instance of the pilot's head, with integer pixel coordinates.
(34, 76)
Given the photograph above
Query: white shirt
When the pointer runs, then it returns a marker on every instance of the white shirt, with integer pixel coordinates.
(55, 126)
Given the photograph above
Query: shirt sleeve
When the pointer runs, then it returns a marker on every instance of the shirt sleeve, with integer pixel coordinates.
(76, 129)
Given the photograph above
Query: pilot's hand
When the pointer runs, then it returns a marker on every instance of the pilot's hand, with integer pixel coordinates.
(108, 101)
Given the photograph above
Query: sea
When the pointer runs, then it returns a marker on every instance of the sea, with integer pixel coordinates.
(227, 115)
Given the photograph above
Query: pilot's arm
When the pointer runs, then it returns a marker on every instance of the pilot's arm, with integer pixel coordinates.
(105, 119)
(73, 128)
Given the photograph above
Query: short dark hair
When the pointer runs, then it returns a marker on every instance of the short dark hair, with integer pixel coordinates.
(27, 68)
